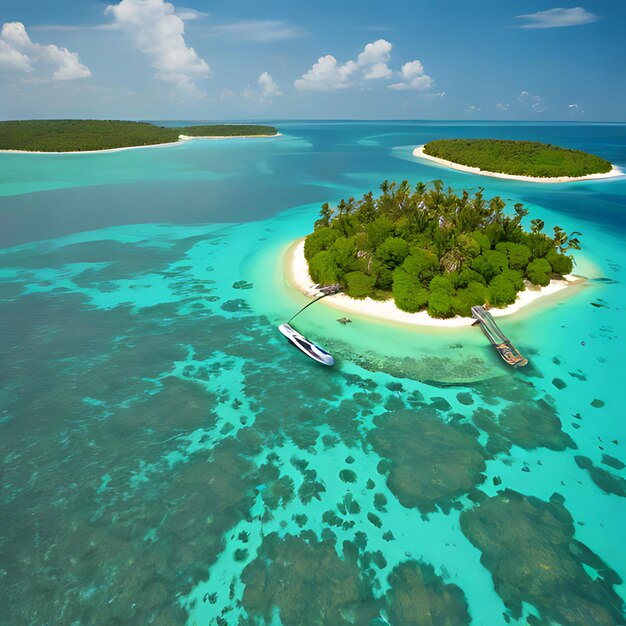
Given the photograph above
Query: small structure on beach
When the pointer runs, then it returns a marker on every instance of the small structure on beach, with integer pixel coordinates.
(500, 341)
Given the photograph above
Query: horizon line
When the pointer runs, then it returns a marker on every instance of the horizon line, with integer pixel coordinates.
(320, 120)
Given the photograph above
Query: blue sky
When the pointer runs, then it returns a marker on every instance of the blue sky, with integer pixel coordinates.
(445, 59)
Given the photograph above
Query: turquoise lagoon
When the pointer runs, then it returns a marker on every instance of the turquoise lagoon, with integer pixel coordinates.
(167, 458)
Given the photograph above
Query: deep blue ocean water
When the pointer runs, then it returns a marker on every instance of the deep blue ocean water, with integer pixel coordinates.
(166, 457)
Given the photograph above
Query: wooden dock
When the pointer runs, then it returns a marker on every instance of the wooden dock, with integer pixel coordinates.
(499, 340)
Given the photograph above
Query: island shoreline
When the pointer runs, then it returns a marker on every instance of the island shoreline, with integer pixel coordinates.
(179, 142)
(420, 154)
(296, 273)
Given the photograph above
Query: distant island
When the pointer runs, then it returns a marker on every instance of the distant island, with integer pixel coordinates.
(94, 135)
(522, 160)
(433, 250)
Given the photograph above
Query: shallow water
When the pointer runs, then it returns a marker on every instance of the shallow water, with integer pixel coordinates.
(168, 458)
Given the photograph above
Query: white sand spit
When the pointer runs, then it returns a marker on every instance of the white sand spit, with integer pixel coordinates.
(420, 154)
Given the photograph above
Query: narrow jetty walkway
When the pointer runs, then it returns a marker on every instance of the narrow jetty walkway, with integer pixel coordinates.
(501, 342)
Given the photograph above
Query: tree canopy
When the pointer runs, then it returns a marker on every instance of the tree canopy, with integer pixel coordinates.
(520, 158)
(432, 249)
(88, 135)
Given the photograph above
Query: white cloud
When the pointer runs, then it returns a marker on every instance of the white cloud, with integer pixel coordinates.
(257, 30)
(188, 14)
(473, 109)
(378, 70)
(374, 59)
(536, 102)
(502, 106)
(269, 88)
(413, 77)
(18, 53)
(159, 33)
(575, 110)
(411, 69)
(11, 43)
(267, 91)
(327, 75)
(555, 18)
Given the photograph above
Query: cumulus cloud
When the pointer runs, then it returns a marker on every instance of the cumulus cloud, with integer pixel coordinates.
(160, 34)
(265, 93)
(413, 77)
(502, 106)
(19, 54)
(536, 102)
(328, 75)
(269, 88)
(473, 109)
(371, 64)
(374, 59)
(556, 18)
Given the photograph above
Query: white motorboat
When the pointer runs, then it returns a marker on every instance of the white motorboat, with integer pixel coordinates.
(312, 350)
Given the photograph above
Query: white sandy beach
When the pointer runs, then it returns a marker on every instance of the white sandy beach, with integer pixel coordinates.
(181, 140)
(297, 274)
(187, 137)
(419, 153)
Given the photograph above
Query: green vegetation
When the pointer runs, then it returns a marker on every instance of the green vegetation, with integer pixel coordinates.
(520, 158)
(226, 130)
(87, 135)
(434, 250)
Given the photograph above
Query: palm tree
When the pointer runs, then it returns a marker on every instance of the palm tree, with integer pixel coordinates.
(560, 238)
(512, 225)
(565, 242)
(341, 215)
(496, 205)
(520, 211)
(326, 214)
(366, 208)
(402, 196)
(536, 226)
(573, 242)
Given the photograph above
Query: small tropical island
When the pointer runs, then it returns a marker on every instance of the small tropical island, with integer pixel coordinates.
(98, 135)
(427, 249)
(518, 160)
